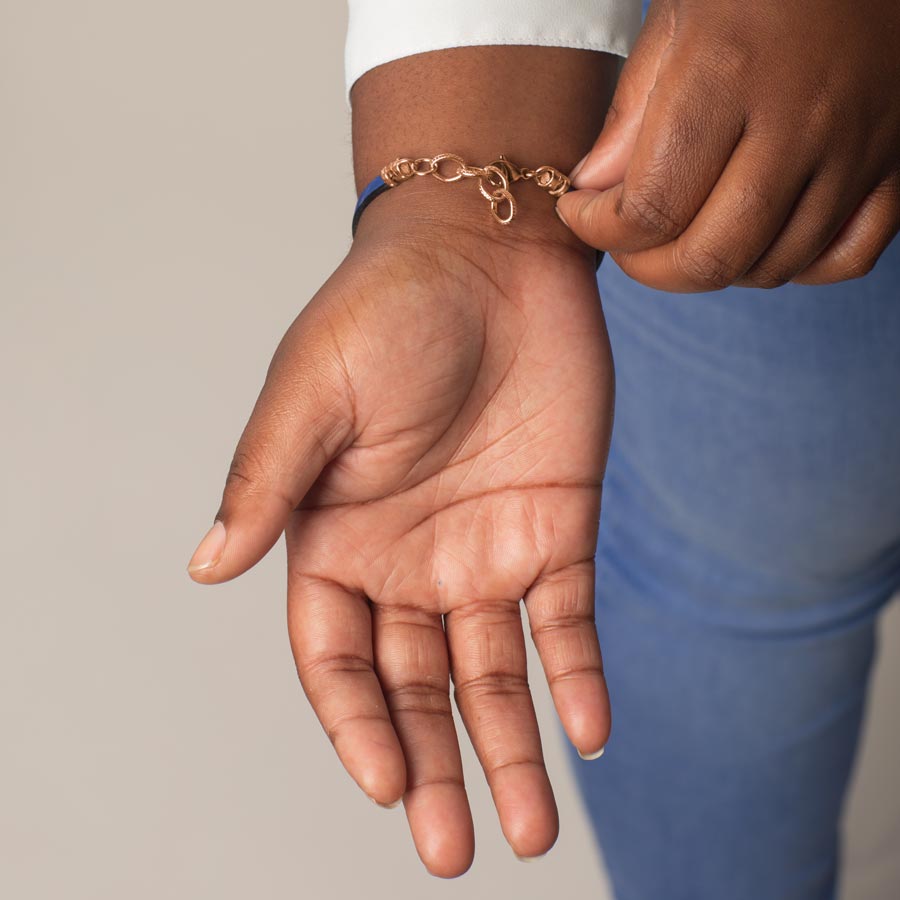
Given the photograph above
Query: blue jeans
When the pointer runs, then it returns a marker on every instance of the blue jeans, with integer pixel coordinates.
(750, 535)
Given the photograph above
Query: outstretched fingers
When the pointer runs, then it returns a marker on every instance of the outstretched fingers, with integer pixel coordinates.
(560, 609)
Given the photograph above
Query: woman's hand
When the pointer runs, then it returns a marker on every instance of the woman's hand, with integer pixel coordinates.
(749, 143)
(431, 436)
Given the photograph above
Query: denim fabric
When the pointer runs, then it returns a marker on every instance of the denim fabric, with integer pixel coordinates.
(750, 534)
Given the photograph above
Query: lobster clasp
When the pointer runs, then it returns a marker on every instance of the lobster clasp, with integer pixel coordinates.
(512, 171)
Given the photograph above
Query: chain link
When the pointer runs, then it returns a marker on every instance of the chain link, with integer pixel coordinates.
(494, 179)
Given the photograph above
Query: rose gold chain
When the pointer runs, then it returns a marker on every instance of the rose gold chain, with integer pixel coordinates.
(494, 179)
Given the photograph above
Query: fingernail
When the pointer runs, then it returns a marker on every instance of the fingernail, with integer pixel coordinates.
(578, 166)
(593, 172)
(529, 858)
(562, 218)
(586, 173)
(393, 805)
(209, 550)
(596, 755)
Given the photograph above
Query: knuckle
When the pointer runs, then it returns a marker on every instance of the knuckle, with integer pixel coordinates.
(332, 665)
(251, 474)
(419, 697)
(853, 265)
(648, 210)
(488, 685)
(863, 267)
(890, 190)
(419, 779)
(820, 103)
(576, 672)
(245, 472)
(556, 625)
(336, 726)
(494, 765)
(768, 275)
(725, 57)
(707, 267)
(613, 112)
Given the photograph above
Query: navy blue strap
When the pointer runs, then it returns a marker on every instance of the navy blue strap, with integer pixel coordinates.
(375, 187)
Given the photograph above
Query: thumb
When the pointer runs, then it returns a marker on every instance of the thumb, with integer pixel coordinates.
(605, 165)
(301, 421)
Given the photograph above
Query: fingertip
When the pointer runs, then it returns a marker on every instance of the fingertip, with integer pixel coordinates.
(528, 859)
(598, 170)
(583, 708)
(578, 167)
(384, 783)
(246, 529)
(448, 861)
(536, 838)
(573, 208)
(441, 824)
(572, 203)
(560, 216)
(588, 756)
(208, 553)
(375, 761)
(529, 817)
(449, 870)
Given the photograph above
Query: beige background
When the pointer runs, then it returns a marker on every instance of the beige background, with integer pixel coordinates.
(174, 184)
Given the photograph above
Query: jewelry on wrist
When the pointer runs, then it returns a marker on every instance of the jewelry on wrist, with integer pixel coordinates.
(494, 181)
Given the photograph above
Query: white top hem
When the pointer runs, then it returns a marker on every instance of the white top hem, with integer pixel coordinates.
(380, 31)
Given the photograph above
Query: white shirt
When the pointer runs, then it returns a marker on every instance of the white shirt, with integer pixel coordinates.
(379, 31)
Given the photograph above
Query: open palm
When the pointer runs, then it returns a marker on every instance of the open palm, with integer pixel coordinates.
(431, 437)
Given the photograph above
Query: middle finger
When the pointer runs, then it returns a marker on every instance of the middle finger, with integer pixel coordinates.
(412, 665)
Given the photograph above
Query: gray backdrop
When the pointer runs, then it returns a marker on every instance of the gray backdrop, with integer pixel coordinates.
(175, 182)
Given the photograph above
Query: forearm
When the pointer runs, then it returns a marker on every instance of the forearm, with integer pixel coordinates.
(535, 105)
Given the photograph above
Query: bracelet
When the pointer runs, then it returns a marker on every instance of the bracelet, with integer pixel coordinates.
(494, 181)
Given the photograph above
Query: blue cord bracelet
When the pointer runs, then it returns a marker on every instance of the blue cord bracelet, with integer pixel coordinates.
(375, 187)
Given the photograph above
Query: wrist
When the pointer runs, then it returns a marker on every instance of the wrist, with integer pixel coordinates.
(428, 213)
(535, 105)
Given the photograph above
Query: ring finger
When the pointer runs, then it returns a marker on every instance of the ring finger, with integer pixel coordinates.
(488, 662)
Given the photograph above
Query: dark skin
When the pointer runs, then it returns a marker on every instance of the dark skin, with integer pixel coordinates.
(431, 438)
(433, 429)
(750, 144)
